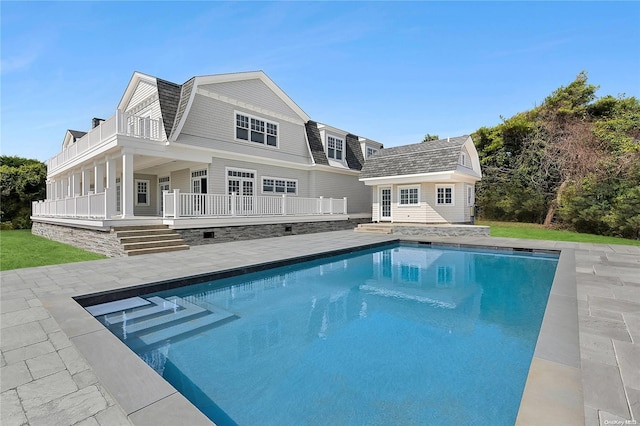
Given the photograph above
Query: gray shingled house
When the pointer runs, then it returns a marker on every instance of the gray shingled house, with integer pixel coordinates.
(429, 182)
(218, 157)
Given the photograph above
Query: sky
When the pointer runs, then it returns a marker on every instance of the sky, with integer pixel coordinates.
(387, 71)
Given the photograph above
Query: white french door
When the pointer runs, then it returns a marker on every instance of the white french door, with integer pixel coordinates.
(241, 182)
(385, 204)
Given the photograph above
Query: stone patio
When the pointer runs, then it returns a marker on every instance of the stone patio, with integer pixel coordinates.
(59, 366)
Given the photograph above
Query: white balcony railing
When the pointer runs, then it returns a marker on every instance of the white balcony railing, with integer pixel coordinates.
(92, 206)
(121, 123)
(177, 204)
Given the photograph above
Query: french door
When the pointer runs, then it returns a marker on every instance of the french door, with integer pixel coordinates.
(241, 183)
(385, 204)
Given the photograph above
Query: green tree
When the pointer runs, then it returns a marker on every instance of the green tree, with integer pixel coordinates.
(21, 182)
(428, 137)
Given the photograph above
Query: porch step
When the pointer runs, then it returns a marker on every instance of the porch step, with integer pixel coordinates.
(138, 240)
(375, 228)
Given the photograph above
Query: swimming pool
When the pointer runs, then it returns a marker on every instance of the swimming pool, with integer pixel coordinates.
(407, 334)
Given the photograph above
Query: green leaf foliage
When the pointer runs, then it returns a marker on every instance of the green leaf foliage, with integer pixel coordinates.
(573, 161)
(21, 182)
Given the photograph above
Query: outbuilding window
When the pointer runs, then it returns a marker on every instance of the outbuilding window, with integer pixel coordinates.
(444, 195)
(409, 196)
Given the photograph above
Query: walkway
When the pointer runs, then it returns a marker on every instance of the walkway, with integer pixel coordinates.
(45, 380)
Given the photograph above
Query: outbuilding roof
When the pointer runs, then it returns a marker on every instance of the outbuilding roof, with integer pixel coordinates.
(425, 157)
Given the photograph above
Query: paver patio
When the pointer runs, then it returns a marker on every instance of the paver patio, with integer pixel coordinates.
(54, 369)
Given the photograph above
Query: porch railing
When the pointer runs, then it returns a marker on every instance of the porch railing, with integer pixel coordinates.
(91, 206)
(121, 123)
(177, 204)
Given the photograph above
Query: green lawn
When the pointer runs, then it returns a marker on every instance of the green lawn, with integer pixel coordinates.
(538, 232)
(21, 249)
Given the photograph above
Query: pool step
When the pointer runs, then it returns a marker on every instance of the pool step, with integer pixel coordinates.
(158, 305)
(189, 310)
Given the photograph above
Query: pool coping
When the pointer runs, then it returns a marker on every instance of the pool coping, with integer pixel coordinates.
(147, 399)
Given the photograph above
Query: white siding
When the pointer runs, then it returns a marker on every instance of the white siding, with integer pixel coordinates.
(253, 92)
(211, 124)
(142, 92)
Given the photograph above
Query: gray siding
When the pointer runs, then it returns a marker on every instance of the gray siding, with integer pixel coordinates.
(152, 208)
(336, 185)
(181, 179)
(211, 124)
(253, 92)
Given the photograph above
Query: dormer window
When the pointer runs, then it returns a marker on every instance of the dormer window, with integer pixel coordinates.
(335, 148)
(371, 151)
(464, 159)
(256, 130)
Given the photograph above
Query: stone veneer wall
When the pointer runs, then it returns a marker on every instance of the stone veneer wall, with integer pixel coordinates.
(442, 231)
(224, 234)
(101, 242)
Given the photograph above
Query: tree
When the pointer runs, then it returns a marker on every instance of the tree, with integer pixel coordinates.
(21, 182)
(429, 137)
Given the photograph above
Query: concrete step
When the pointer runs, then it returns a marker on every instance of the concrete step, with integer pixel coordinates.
(149, 238)
(153, 244)
(150, 250)
(143, 232)
(374, 228)
(139, 227)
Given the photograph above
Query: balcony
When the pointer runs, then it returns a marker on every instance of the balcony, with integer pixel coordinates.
(119, 124)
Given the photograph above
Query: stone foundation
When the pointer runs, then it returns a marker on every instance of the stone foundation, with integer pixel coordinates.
(224, 234)
(441, 230)
(101, 242)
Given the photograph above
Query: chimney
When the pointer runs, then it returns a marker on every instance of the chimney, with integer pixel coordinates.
(95, 122)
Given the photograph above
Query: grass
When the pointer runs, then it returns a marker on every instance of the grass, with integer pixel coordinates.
(21, 249)
(534, 231)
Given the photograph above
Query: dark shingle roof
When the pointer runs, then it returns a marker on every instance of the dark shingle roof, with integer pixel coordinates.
(169, 95)
(426, 157)
(354, 156)
(77, 134)
(315, 143)
(185, 94)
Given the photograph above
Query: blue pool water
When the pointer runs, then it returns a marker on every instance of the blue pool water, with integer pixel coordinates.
(406, 334)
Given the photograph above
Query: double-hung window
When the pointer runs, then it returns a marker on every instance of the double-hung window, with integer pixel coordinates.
(409, 196)
(444, 195)
(371, 151)
(273, 185)
(256, 130)
(335, 148)
(142, 192)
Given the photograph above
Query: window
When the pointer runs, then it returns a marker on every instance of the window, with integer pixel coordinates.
(409, 196)
(256, 130)
(470, 196)
(464, 159)
(371, 151)
(334, 148)
(279, 185)
(444, 195)
(142, 192)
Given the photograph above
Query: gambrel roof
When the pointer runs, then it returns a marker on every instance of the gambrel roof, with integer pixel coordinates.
(420, 159)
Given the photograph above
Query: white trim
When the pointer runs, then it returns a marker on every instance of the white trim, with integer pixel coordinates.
(380, 216)
(147, 183)
(453, 175)
(472, 197)
(453, 195)
(343, 147)
(254, 117)
(408, 187)
(286, 181)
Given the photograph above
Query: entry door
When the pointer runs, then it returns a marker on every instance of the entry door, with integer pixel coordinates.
(243, 188)
(385, 204)
(199, 186)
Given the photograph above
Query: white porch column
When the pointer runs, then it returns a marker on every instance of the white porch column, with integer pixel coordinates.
(110, 202)
(98, 172)
(75, 184)
(86, 181)
(128, 191)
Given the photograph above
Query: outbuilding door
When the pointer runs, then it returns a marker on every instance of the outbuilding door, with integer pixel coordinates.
(385, 204)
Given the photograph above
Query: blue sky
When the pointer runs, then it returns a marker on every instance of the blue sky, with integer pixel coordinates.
(389, 71)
